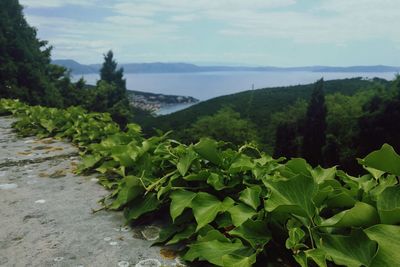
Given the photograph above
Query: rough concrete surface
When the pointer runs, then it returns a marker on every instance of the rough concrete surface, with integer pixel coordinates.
(46, 216)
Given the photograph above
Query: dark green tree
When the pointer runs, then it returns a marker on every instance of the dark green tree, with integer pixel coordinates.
(110, 74)
(379, 124)
(110, 93)
(286, 140)
(314, 130)
(25, 69)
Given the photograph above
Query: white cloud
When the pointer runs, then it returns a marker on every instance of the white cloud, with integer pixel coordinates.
(184, 18)
(56, 3)
(132, 22)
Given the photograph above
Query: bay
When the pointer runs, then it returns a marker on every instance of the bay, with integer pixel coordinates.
(206, 85)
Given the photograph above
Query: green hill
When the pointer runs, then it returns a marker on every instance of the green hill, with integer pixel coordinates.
(257, 105)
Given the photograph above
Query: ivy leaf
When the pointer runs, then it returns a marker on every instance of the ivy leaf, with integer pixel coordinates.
(181, 199)
(242, 164)
(142, 206)
(185, 234)
(388, 204)
(293, 195)
(296, 235)
(212, 251)
(321, 175)
(205, 208)
(316, 255)
(256, 233)
(241, 213)
(131, 188)
(388, 239)
(361, 214)
(385, 159)
(208, 149)
(354, 250)
(235, 260)
(89, 161)
(251, 196)
(185, 162)
(216, 181)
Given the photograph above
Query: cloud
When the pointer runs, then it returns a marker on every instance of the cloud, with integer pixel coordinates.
(155, 24)
(56, 3)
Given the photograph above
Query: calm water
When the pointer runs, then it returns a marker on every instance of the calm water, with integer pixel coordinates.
(207, 85)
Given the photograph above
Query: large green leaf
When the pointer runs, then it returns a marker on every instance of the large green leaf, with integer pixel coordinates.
(354, 250)
(206, 207)
(242, 164)
(208, 149)
(320, 174)
(142, 206)
(385, 159)
(183, 235)
(388, 238)
(212, 251)
(185, 162)
(294, 195)
(361, 214)
(131, 188)
(237, 260)
(180, 200)
(251, 196)
(388, 205)
(241, 213)
(256, 233)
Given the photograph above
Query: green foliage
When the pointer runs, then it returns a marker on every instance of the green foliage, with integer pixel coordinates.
(226, 125)
(257, 106)
(25, 69)
(235, 207)
(314, 138)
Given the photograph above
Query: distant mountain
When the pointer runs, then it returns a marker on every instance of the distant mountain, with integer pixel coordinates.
(75, 67)
(159, 67)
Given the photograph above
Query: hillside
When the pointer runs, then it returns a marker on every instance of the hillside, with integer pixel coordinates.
(256, 105)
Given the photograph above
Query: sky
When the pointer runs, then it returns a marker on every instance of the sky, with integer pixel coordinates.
(231, 32)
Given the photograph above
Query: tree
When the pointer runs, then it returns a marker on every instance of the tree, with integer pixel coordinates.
(111, 75)
(25, 69)
(286, 144)
(314, 137)
(287, 127)
(379, 124)
(110, 93)
(226, 125)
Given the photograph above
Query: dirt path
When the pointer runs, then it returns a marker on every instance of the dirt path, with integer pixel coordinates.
(46, 214)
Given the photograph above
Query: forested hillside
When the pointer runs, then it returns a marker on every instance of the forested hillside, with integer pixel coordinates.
(275, 119)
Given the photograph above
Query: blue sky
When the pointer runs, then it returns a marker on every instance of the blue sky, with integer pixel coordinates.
(247, 32)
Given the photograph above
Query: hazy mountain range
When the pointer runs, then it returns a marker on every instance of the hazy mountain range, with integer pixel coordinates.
(159, 67)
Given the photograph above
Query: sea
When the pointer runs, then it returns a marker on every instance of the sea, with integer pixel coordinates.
(206, 85)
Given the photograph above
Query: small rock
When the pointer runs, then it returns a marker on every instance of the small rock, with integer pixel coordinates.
(107, 239)
(123, 264)
(40, 201)
(58, 259)
(151, 233)
(125, 229)
(148, 263)
(94, 180)
(113, 243)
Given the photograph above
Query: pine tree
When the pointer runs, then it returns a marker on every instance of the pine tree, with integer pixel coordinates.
(112, 76)
(110, 94)
(314, 138)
